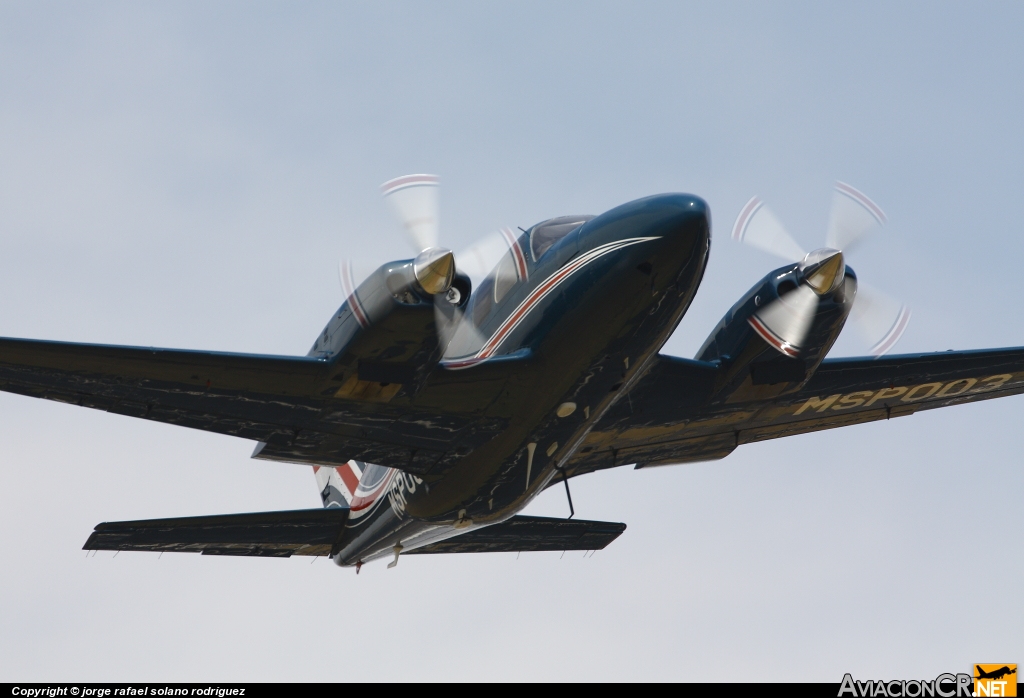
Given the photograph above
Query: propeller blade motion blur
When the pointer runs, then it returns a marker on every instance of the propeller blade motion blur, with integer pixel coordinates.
(758, 227)
(449, 390)
(879, 318)
(784, 322)
(853, 215)
(414, 199)
(350, 281)
(482, 257)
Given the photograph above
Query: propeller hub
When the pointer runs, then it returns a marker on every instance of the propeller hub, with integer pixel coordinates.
(434, 268)
(823, 270)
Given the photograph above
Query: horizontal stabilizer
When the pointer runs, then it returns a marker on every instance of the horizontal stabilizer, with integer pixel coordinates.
(529, 534)
(261, 534)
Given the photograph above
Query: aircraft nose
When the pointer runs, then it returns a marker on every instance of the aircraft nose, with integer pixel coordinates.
(680, 215)
(674, 221)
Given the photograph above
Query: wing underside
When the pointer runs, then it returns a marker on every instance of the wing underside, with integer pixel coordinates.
(672, 418)
(301, 409)
(530, 534)
(263, 534)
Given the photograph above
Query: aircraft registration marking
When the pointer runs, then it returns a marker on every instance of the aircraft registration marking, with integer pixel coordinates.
(401, 484)
(911, 394)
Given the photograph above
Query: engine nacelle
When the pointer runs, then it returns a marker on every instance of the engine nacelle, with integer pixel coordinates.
(385, 336)
(754, 369)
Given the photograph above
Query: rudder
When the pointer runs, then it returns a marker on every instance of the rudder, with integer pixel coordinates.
(337, 484)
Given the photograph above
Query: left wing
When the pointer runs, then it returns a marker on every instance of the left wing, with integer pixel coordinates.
(670, 417)
(529, 534)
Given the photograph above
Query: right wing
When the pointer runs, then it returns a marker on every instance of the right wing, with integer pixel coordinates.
(669, 418)
(262, 534)
(301, 409)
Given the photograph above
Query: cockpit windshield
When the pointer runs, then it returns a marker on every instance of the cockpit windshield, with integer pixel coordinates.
(544, 235)
(513, 268)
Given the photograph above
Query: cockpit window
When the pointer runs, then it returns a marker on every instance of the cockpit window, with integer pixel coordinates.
(496, 288)
(482, 300)
(510, 270)
(544, 235)
(513, 268)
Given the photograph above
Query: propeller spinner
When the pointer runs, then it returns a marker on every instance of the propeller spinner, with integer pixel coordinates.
(784, 323)
(414, 200)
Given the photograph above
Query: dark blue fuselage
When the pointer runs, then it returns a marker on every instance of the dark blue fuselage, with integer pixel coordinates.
(564, 342)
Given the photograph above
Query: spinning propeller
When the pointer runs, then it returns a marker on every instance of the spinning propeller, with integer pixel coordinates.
(414, 200)
(784, 323)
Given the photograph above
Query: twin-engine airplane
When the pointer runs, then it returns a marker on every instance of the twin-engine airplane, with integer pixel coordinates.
(433, 409)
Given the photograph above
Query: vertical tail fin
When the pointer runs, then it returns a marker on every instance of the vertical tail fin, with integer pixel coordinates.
(338, 484)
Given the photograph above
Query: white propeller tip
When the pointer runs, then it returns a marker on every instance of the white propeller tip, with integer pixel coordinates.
(739, 228)
(853, 216)
(862, 200)
(414, 198)
(758, 227)
(350, 281)
(892, 336)
(405, 181)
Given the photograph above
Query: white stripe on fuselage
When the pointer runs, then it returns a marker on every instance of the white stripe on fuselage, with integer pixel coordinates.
(543, 290)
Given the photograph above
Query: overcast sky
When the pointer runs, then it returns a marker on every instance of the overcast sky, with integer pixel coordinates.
(187, 175)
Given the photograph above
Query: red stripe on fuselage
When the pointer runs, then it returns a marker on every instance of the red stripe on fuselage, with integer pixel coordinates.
(517, 254)
(367, 500)
(506, 327)
(512, 321)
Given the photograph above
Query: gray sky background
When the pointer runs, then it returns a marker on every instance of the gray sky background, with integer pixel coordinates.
(187, 175)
